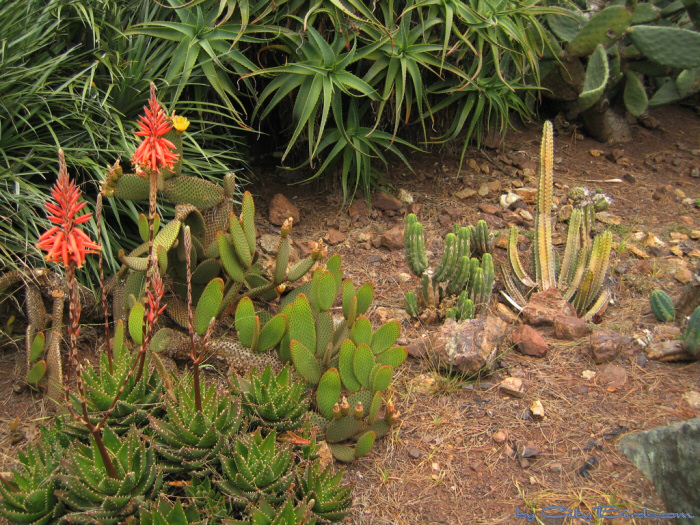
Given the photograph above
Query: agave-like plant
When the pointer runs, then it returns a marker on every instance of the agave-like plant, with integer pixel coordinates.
(583, 267)
(164, 512)
(322, 489)
(188, 439)
(274, 401)
(30, 496)
(256, 469)
(96, 496)
(139, 396)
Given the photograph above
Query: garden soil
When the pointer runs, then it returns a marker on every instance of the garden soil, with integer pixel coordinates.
(458, 454)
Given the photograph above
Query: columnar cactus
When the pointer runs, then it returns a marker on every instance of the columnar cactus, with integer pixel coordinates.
(455, 272)
(583, 268)
(662, 306)
(691, 334)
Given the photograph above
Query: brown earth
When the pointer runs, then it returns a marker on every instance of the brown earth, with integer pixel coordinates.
(456, 456)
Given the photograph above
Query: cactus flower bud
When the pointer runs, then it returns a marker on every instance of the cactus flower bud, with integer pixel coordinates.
(345, 406)
(359, 411)
(337, 413)
(287, 227)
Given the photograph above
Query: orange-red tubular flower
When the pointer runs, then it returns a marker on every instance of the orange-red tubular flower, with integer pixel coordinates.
(155, 151)
(65, 242)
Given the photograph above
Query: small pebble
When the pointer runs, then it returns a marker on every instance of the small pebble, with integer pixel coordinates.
(413, 453)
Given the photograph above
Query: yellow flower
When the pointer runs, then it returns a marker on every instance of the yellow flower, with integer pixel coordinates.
(180, 123)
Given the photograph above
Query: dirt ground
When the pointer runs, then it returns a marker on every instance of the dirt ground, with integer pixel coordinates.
(441, 464)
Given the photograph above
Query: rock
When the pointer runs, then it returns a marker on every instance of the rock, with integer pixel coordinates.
(268, 243)
(682, 275)
(529, 341)
(555, 467)
(524, 463)
(670, 457)
(668, 351)
(564, 213)
(413, 453)
(281, 209)
(612, 377)
(493, 222)
(393, 238)
(544, 307)
(405, 196)
(483, 190)
(537, 410)
(667, 332)
(570, 328)
(506, 314)
(528, 451)
(494, 185)
(334, 237)
(605, 345)
(489, 208)
(499, 436)
(469, 346)
(420, 348)
(513, 386)
(529, 195)
(508, 199)
(693, 399)
(465, 193)
(358, 210)
(384, 201)
(695, 234)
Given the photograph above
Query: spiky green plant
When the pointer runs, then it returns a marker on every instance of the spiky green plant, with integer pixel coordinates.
(456, 272)
(322, 489)
(189, 440)
(164, 512)
(691, 334)
(583, 267)
(254, 469)
(30, 495)
(138, 397)
(275, 402)
(662, 306)
(93, 495)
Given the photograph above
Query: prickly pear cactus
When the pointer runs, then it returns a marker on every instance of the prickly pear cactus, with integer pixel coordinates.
(457, 272)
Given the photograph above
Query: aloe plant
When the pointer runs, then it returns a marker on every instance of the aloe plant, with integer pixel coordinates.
(164, 512)
(321, 488)
(583, 268)
(456, 274)
(30, 495)
(92, 493)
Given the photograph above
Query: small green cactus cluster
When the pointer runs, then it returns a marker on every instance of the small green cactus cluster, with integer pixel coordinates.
(457, 273)
(619, 45)
(662, 306)
(583, 268)
(691, 334)
(345, 361)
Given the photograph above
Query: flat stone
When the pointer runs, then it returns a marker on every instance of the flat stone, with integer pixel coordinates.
(528, 451)
(682, 275)
(489, 208)
(393, 238)
(670, 457)
(544, 307)
(268, 243)
(692, 398)
(469, 346)
(570, 328)
(513, 386)
(494, 185)
(668, 351)
(612, 377)
(529, 341)
(529, 195)
(555, 467)
(499, 436)
(506, 314)
(358, 209)
(413, 453)
(466, 193)
(281, 208)
(483, 190)
(334, 237)
(695, 234)
(493, 222)
(605, 345)
(384, 201)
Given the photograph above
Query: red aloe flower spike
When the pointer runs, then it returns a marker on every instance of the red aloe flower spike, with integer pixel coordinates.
(155, 151)
(65, 242)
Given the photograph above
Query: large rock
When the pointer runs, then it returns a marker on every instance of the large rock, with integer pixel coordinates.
(281, 209)
(544, 307)
(393, 238)
(529, 341)
(670, 457)
(468, 346)
(384, 201)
